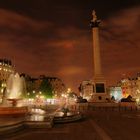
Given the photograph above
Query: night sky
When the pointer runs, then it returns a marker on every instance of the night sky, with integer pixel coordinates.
(53, 37)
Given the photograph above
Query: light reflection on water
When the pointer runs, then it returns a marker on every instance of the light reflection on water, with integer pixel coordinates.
(36, 117)
(69, 114)
(37, 111)
(61, 114)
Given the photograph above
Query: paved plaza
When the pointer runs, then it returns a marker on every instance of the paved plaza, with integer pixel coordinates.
(98, 125)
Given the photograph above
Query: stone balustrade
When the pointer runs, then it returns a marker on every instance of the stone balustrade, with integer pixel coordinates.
(122, 106)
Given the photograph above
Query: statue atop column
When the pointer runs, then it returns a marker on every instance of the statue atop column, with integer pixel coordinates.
(94, 15)
(94, 22)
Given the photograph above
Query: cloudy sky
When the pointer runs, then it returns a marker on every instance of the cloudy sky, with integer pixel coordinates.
(54, 38)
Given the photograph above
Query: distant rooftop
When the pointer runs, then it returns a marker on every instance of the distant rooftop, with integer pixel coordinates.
(5, 61)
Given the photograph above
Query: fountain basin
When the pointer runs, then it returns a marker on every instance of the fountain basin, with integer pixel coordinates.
(39, 121)
(13, 111)
(59, 117)
(37, 118)
(14, 102)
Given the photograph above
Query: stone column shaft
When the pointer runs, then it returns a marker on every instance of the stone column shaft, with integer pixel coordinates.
(96, 52)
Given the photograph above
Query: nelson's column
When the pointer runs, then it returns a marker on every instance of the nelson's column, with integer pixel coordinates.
(99, 92)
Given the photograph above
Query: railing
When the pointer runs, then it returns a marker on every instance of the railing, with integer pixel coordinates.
(123, 106)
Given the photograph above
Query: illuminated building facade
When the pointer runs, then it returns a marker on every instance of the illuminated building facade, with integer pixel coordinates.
(87, 89)
(6, 69)
(130, 86)
(126, 87)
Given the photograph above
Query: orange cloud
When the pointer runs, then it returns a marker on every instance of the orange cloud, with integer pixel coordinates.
(16, 21)
(120, 43)
(39, 47)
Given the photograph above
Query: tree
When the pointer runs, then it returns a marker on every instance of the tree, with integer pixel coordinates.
(46, 88)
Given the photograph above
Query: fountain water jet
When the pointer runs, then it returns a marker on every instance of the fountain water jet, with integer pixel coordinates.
(15, 89)
(13, 92)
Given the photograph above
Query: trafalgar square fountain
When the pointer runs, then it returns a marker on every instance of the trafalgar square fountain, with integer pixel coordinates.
(13, 104)
(12, 96)
(16, 116)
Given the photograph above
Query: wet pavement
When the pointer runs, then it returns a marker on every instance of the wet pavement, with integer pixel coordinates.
(98, 125)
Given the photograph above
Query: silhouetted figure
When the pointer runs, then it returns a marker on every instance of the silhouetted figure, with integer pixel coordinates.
(128, 99)
(81, 100)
